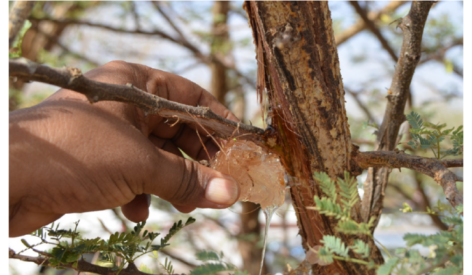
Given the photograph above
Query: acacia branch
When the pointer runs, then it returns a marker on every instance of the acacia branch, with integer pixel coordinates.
(63, 47)
(431, 167)
(453, 162)
(412, 26)
(135, 15)
(157, 5)
(82, 265)
(72, 78)
(18, 14)
(207, 59)
(426, 204)
(439, 55)
(360, 25)
(371, 26)
(360, 104)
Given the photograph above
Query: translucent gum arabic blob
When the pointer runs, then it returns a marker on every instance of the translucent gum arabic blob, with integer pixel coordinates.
(259, 172)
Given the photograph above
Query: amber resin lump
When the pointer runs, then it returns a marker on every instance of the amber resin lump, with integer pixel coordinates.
(258, 172)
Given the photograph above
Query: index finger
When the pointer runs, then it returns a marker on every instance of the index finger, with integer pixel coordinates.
(181, 90)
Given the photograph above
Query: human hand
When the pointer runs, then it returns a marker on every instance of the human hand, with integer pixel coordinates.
(68, 156)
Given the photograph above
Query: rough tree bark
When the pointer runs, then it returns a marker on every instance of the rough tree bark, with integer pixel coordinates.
(298, 68)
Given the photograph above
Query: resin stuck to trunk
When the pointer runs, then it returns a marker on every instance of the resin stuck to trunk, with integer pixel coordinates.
(258, 172)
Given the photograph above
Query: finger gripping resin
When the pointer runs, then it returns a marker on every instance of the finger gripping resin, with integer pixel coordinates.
(258, 172)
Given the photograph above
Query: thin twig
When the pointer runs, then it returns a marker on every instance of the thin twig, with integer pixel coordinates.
(360, 104)
(135, 15)
(66, 49)
(72, 78)
(426, 204)
(157, 5)
(431, 167)
(184, 43)
(412, 26)
(371, 26)
(439, 55)
(18, 14)
(360, 25)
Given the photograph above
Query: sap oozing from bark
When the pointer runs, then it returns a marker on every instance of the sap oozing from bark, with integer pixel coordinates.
(257, 170)
(260, 176)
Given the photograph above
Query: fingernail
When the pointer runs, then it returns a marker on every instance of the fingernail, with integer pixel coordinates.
(222, 191)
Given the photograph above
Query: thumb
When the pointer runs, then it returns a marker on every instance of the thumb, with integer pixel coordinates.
(187, 184)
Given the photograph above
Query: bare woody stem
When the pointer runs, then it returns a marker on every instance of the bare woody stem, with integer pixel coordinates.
(371, 26)
(431, 167)
(73, 79)
(361, 25)
(412, 26)
(18, 14)
(179, 41)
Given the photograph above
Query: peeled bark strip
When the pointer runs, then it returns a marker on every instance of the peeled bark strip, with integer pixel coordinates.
(298, 66)
(412, 26)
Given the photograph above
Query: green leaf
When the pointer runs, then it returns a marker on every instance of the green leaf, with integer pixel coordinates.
(361, 247)
(406, 208)
(326, 184)
(189, 221)
(327, 207)
(449, 66)
(205, 256)
(336, 245)
(19, 40)
(26, 243)
(388, 266)
(351, 227)
(71, 257)
(211, 269)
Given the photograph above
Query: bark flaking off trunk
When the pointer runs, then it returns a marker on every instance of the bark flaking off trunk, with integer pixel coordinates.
(298, 66)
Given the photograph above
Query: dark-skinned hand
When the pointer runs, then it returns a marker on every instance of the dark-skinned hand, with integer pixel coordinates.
(69, 156)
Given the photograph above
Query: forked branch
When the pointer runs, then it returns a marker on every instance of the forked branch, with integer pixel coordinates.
(73, 79)
(412, 27)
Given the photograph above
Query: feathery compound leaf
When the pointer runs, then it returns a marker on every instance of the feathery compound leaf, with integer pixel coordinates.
(211, 269)
(326, 184)
(328, 207)
(336, 245)
(325, 255)
(205, 256)
(415, 121)
(349, 193)
(361, 247)
(189, 221)
(388, 266)
(351, 227)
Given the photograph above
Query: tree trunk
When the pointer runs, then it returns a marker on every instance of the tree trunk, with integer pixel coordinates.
(299, 69)
(219, 47)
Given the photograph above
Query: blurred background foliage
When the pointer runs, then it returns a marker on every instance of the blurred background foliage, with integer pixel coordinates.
(210, 43)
